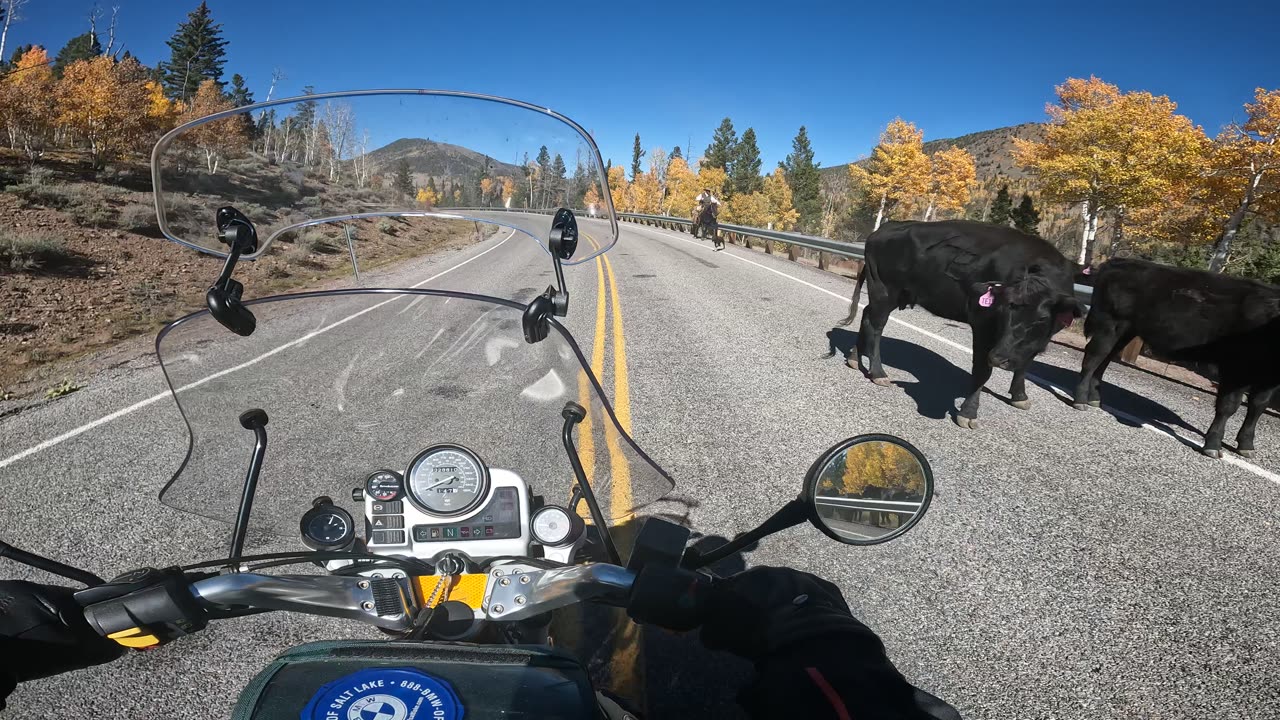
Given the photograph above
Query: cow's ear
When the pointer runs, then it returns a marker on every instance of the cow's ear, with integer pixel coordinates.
(987, 293)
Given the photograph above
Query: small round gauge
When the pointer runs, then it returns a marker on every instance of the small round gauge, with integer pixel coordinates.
(553, 525)
(384, 485)
(327, 527)
(447, 480)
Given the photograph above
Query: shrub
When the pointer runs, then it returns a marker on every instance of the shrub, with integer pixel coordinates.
(28, 250)
(137, 217)
(38, 193)
(386, 226)
(94, 214)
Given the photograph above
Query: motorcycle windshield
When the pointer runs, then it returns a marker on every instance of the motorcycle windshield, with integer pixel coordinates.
(354, 157)
(356, 381)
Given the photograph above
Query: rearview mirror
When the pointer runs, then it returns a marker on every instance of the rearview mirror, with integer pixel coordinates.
(868, 489)
(863, 491)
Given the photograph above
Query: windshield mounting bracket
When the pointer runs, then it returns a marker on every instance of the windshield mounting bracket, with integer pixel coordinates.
(223, 298)
(563, 242)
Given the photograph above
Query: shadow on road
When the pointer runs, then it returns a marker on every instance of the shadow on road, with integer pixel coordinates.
(942, 382)
(1117, 401)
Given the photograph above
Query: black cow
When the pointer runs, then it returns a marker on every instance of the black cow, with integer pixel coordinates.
(1188, 316)
(1013, 289)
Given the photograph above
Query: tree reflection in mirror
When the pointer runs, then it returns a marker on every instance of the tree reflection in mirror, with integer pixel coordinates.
(869, 489)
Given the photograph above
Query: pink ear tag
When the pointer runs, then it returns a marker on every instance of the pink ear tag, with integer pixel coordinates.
(1087, 270)
(987, 299)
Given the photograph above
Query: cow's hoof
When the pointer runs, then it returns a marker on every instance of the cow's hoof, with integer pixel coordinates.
(1248, 453)
(882, 381)
(1215, 454)
(1021, 404)
(1081, 406)
(967, 423)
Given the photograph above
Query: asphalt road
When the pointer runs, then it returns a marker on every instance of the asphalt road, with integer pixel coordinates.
(1087, 565)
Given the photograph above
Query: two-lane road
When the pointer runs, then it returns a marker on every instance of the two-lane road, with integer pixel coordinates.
(1072, 564)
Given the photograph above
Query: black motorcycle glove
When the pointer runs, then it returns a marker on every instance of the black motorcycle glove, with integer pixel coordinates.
(813, 659)
(43, 632)
(766, 610)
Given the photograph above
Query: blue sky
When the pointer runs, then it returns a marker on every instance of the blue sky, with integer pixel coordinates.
(671, 71)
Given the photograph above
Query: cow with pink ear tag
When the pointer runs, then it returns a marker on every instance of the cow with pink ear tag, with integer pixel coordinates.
(1014, 290)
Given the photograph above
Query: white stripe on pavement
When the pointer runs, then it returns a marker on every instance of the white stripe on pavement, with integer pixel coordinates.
(1159, 430)
(160, 396)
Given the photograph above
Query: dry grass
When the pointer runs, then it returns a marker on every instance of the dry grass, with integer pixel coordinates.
(30, 250)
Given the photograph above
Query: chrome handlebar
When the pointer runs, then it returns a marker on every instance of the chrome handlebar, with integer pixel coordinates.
(512, 592)
(384, 602)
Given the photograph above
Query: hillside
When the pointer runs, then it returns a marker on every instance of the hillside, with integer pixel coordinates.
(992, 150)
(438, 160)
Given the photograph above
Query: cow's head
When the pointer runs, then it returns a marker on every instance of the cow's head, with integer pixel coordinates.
(1028, 313)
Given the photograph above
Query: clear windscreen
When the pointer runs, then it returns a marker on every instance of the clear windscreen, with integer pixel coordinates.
(354, 157)
(362, 380)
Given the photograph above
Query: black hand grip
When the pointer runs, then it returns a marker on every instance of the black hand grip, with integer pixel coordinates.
(669, 597)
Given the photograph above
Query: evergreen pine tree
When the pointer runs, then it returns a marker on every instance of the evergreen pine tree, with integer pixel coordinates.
(675, 153)
(636, 154)
(17, 54)
(805, 181)
(80, 47)
(402, 181)
(558, 180)
(1001, 207)
(723, 148)
(239, 95)
(744, 171)
(196, 54)
(1026, 217)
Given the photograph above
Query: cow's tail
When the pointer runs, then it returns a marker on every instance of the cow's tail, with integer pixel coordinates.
(857, 293)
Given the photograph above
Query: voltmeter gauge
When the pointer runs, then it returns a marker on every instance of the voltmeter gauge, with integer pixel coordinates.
(553, 525)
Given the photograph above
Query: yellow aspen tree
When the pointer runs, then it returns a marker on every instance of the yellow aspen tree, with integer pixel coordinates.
(161, 111)
(427, 197)
(750, 209)
(486, 189)
(682, 188)
(711, 178)
(1246, 167)
(217, 139)
(899, 173)
(26, 102)
(619, 189)
(951, 181)
(777, 192)
(508, 190)
(646, 193)
(104, 104)
(1111, 153)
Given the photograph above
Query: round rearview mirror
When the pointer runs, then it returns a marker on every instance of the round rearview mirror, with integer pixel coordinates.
(868, 489)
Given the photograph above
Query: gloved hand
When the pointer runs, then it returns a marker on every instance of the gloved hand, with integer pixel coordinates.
(43, 632)
(767, 609)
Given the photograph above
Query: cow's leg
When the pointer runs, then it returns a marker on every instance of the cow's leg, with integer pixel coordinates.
(1258, 402)
(874, 318)
(1105, 345)
(968, 415)
(1229, 398)
(1018, 390)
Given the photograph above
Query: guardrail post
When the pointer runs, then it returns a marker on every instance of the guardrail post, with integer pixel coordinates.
(793, 252)
(768, 246)
(824, 260)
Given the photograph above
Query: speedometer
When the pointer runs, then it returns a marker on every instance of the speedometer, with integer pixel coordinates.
(447, 480)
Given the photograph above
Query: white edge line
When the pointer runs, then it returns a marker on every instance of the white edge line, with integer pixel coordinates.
(1159, 430)
(160, 396)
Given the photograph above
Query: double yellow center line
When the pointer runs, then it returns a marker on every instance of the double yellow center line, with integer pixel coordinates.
(626, 669)
(620, 494)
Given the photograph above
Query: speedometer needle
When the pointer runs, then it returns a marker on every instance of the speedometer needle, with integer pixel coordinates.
(442, 482)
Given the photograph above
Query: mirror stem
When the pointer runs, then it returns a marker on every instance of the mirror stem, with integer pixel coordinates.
(793, 513)
(255, 420)
(573, 414)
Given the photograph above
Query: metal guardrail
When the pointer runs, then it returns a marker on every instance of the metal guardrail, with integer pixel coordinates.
(856, 251)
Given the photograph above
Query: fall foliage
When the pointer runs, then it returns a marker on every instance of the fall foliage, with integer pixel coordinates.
(899, 174)
(105, 104)
(218, 139)
(1112, 152)
(27, 102)
(952, 175)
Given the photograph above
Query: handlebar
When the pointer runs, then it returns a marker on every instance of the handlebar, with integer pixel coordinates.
(512, 592)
